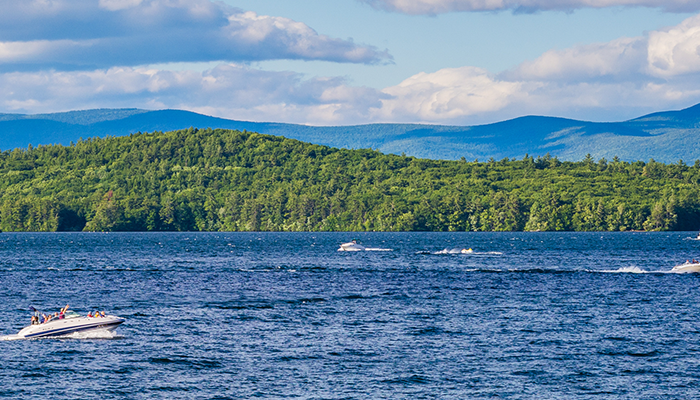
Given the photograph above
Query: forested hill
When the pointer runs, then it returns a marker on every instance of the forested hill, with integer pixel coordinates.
(221, 180)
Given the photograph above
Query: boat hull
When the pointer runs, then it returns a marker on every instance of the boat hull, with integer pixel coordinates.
(351, 246)
(61, 327)
(686, 268)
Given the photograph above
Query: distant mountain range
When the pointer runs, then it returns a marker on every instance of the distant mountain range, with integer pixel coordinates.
(664, 136)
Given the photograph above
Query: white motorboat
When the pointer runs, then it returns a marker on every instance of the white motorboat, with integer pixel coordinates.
(70, 323)
(467, 251)
(352, 246)
(687, 267)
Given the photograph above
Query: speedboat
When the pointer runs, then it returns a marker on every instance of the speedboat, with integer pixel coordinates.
(70, 323)
(352, 246)
(467, 251)
(687, 267)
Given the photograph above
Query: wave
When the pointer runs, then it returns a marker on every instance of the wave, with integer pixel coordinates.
(360, 250)
(535, 270)
(461, 251)
(637, 270)
(625, 270)
(451, 251)
(622, 270)
(96, 334)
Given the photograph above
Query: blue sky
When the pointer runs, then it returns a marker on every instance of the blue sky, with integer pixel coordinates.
(341, 62)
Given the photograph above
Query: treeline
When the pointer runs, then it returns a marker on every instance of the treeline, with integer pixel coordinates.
(222, 180)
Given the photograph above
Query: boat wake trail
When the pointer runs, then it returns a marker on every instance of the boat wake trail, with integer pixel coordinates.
(637, 270)
(626, 270)
(462, 251)
(354, 246)
(95, 334)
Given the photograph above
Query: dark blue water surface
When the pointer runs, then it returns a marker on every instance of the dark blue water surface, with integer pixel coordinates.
(285, 315)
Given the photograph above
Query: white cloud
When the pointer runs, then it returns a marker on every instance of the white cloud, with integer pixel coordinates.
(627, 76)
(622, 58)
(13, 51)
(114, 5)
(662, 54)
(431, 7)
(448, 94)
(90, 34)
(674, 51)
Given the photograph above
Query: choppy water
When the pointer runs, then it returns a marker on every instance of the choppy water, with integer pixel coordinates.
(229, 316)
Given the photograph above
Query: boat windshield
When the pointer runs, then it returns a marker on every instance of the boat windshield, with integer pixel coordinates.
(71, 314)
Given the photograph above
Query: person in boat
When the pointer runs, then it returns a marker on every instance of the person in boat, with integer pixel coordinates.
(35, 320)
(103, 314)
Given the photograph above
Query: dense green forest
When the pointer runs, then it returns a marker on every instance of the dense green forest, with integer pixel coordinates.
(222, 180)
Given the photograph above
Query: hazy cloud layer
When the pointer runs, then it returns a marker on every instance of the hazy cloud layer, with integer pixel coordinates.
(431, 7)
(481, 97)
(623, 77)
(229, 90)
(91, 34)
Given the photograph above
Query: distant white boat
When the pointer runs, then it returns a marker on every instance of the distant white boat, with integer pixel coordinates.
(687, 267)
(467, 251)
(352, 246)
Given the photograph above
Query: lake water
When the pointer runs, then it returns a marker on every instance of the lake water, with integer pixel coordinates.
(286, 315)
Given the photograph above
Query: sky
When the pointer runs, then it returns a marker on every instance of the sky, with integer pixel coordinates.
(348, 62)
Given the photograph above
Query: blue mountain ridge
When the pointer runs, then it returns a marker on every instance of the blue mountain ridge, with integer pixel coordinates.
(666, 136)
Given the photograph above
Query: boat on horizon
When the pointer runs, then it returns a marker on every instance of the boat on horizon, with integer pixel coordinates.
(71, 322)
